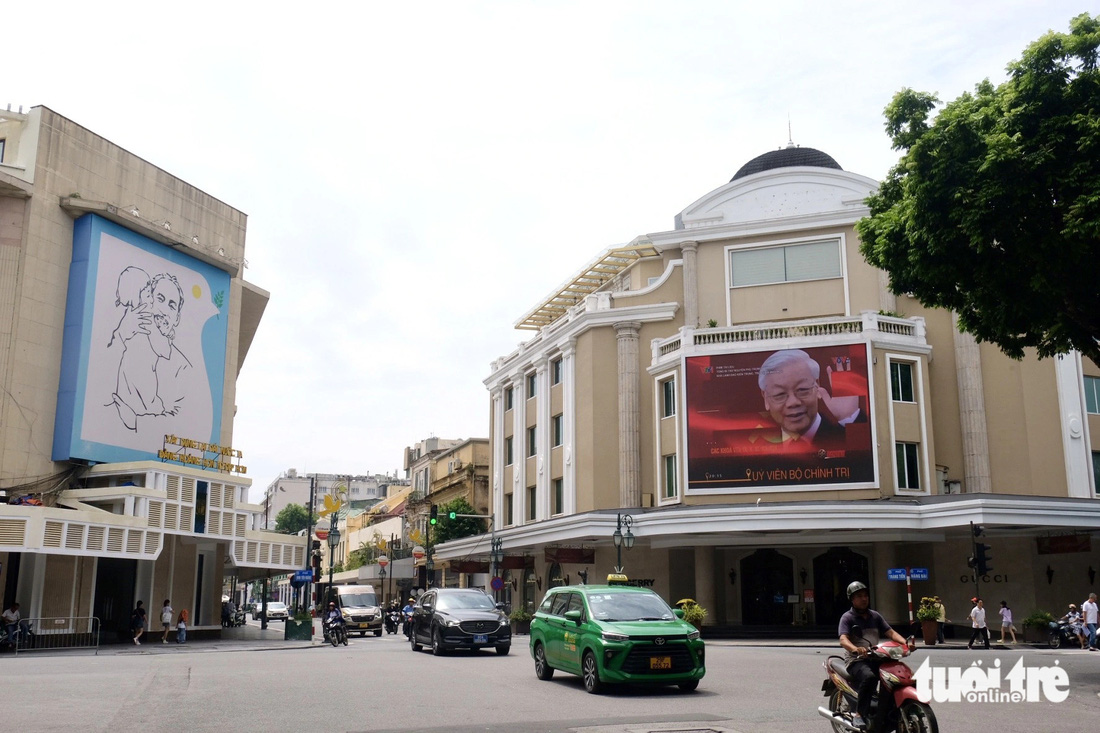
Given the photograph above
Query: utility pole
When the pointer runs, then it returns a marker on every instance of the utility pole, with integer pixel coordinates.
(309, 544)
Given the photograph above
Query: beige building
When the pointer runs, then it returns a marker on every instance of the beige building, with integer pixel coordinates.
(124, 321)
(743, 396)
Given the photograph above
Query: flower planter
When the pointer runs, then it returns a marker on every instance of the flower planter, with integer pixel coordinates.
(298, 630)
(928, 630)
(521, 627)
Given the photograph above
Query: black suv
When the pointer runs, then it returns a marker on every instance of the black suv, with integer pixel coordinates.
(455, 618)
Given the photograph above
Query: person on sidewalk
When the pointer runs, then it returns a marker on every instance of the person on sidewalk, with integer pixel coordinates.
(1090, 611)
(137, 622)
(181, 627)
(18, 629)
(977, 620)
(941, 619)
(1006, 622)
(166, 620)
(860, 630)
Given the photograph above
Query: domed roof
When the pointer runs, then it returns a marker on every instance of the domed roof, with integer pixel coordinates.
(787, 157)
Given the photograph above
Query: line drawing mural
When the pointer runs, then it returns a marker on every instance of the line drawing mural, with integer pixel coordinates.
(150, 366)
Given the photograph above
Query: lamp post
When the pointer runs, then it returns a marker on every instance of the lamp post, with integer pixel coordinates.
(333, 542)
(622, 538)
(383, 561)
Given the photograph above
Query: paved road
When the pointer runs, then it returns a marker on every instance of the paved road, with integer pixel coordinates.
(380, 685)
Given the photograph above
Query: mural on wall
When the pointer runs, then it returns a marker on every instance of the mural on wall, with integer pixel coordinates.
(791, 418)
(145, 347)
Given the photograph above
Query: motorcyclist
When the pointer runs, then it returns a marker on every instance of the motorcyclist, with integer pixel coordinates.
(408, 611)
(860, 630)
(333, 615)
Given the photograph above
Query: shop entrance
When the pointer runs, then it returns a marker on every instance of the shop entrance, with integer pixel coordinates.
(768, 578)
(115, 580)
(833, 571)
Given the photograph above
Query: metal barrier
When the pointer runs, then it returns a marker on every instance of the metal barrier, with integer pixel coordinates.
(57, 632)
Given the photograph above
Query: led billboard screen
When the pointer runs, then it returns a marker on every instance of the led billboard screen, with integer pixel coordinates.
(144, 348)
(792, 418)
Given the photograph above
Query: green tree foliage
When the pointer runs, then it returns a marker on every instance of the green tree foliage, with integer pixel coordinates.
(453, 529)
(292, 519)
(993, 209)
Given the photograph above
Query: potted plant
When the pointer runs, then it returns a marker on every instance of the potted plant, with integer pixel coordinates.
(521, 620)
(1040, 621)
(299, 627)
(928, 613)
(693, 612)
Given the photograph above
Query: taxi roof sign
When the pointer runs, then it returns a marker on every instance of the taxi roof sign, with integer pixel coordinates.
(617, 579)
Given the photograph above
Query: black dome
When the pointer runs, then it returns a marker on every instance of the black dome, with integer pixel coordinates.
(787, 157)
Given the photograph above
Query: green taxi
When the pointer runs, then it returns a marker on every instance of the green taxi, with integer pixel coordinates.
(615, 634)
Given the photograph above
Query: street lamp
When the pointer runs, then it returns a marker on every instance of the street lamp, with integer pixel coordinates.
(622, 538)
(333, 543)
(383, 561)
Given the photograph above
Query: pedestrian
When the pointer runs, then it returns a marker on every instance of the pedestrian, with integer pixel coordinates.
(166, 620)
(1090, 612)
(977, 620)
(1006, 622)
(941, 619)
(137, 622)
(181, 627)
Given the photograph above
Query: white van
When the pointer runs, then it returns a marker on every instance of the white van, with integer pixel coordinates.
(359, 606)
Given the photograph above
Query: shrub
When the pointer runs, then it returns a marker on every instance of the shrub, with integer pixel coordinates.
(1038, 619)
(927, 610)
(520, 615)
(694, 614)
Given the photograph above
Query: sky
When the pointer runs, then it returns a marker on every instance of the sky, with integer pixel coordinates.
(418, 176)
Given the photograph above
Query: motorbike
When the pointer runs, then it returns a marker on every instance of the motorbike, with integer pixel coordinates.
(335, 633)
(1062, 634)
(23, 636)
(392, 621)
(895, 706)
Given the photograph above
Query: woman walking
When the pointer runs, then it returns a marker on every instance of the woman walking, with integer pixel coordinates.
(1006, 622)
(166, 620)
(137, 622)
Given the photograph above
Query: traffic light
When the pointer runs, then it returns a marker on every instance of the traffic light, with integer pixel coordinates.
(316, 545)
(434, 516)
(981, 559)
(977, 529)
(452, 515)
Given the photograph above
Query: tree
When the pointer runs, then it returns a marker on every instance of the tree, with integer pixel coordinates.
(453, 529)
(993, 209)
(292, 519)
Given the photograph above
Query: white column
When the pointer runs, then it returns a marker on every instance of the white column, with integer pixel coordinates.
(691, 283)
(630, 481)
(704, 580)
(519, 448)
(542, 439)
(569, 418)
(1070, 380)
(975, 436)
(496, 469)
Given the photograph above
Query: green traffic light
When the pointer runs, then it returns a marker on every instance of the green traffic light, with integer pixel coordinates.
(452, 515)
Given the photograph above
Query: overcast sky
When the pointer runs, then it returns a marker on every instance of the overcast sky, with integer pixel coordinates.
(417, 176)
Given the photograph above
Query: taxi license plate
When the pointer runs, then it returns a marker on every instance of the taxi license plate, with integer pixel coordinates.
(660, 662)
(481, 639)
(364, 626)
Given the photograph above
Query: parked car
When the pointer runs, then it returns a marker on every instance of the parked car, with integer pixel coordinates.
(615, 634)
(456, 618)
(275, 610)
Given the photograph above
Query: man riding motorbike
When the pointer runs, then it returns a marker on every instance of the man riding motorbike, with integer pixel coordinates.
(860, 630)
(408, 611)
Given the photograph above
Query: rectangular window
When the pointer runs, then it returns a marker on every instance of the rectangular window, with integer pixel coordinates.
(908, 467)
(1096, 470)
(557, 423)
(532, 384)
(901, 381)
(530, 503)
(508, 507)
(559, 494)
(532, 444)
(555, 371)
(2, 141)
(668, 398)
(793, 263)
(1092, 395)
(670, 477)
(508, 396)
(508, 455)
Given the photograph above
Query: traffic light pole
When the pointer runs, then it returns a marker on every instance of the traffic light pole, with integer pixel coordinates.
(309, 546)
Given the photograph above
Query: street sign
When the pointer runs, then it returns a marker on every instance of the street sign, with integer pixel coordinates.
(303, 576)
(496, 583)
(918, 573)
(895, 574)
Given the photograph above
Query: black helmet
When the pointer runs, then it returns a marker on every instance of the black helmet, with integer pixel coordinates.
(855, 587)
